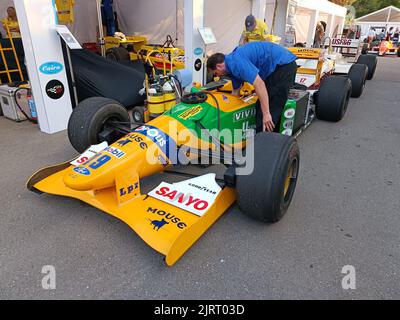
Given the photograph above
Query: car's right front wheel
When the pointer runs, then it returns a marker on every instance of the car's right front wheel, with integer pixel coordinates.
(266, 193)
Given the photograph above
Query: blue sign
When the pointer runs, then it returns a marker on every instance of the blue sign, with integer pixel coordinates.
(51, 68)
(198, 51)
(82, 170)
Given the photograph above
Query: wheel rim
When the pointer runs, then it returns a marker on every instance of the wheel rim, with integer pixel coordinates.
(290, 181)
(137, 116)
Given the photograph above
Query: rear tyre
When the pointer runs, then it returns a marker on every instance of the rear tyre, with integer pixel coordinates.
(398, 51)
(333, 98)
(118, 54)
(365, 48)
(89, 123)
(358, 76)
(267, 192)
(371, 62)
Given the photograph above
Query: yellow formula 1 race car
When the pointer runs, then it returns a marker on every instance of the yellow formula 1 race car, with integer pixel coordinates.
(208, 124)
(162, 56)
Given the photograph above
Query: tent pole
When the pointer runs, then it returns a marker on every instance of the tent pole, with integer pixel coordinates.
(388, 17)
(101, 30)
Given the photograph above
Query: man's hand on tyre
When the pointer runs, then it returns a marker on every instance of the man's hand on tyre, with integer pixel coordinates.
(268, 124)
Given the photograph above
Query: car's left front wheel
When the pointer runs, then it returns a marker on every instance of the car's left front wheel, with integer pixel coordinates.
(93, 121)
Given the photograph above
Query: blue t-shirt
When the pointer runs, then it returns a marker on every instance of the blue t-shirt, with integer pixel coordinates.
(256, 58)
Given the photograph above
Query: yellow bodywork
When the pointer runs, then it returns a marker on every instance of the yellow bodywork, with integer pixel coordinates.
(162, 58)
(113, 186)
(137, 41)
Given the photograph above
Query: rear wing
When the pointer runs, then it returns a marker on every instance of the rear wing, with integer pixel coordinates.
(311, 72)
(347, 47)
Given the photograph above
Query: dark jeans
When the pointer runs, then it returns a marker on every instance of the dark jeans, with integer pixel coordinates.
(278, 85)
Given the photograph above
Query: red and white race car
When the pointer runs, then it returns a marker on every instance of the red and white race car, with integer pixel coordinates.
(386, 48)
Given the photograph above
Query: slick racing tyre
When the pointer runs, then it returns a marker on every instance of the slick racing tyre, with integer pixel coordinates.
(118, 54)
(371, 62)
(358, 76)
(92, 122)
(267, 192)
(333, 98)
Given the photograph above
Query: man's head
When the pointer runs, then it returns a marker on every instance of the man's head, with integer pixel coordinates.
(11, 12)
(250, 23)
(216, 64)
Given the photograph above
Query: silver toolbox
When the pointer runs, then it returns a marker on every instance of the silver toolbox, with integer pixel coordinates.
(8, 104)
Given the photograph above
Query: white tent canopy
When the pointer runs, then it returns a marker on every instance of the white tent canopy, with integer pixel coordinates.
(156, 19)
(389, 14)
(385, 18)
(308, 13)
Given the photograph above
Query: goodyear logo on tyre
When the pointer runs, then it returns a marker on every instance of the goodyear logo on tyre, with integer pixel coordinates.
(190, 113)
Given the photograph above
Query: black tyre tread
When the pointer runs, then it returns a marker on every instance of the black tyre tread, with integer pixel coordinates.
(81, 120)
(260, 194)
(358, 76)
(371, 61)
(120, 53)
(332, 98)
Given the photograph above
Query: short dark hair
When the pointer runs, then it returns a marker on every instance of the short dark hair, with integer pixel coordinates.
(215, 59)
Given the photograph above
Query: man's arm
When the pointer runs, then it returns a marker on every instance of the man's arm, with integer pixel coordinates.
(262, 94)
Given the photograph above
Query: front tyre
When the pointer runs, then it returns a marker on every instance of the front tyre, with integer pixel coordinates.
(90, 122)
(267, 192)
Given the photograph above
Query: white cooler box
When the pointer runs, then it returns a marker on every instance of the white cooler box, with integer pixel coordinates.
(8, 105)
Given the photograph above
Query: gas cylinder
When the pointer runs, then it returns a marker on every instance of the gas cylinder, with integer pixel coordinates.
(32, 106)
(169, 95)
(155, 100)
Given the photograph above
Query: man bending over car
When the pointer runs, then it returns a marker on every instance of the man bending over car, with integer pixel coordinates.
(270, 68)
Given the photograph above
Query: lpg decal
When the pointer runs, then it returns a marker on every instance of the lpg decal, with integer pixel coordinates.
(166, 219)
(115, 152)
(128, 190)
(244, 115)
(51, 68)
(55, 89)
(190, 113)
